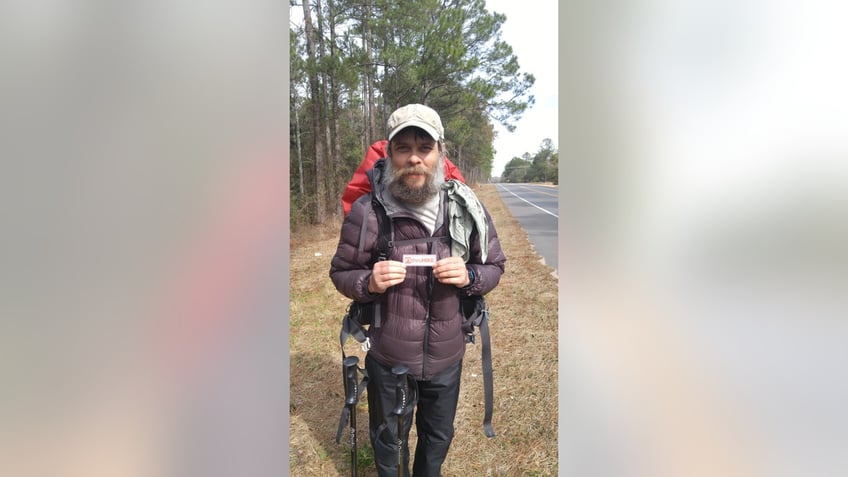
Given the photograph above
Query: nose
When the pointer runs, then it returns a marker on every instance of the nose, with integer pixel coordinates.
(416, 158)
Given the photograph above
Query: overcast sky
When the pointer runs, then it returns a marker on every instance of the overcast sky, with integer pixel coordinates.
(532, 33)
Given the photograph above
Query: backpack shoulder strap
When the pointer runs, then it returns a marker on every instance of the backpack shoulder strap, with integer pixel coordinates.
(385, 243)
(385, 232)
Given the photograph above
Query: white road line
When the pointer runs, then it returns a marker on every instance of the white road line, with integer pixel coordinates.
(525, 200)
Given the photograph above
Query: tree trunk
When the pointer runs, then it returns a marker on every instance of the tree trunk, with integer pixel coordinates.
(328, 175)
(370, 118)
(334, 131)
(315, 89)
(364, 117)
(299, 147)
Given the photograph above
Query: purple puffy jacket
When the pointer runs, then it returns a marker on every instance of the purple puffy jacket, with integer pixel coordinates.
(426, 343)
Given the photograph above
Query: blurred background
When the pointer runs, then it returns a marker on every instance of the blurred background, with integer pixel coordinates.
(144, 246)
(704, 216)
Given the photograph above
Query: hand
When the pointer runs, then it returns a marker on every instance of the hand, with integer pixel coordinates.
(451, 271)
(385, 274)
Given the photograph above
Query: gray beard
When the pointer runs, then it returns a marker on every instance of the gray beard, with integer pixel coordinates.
(414, 195)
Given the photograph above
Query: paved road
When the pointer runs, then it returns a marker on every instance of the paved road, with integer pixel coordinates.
(537, 209)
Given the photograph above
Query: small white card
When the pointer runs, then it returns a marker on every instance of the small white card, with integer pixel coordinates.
(419, 260)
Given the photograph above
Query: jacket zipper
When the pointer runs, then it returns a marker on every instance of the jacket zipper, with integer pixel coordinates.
(430, 280)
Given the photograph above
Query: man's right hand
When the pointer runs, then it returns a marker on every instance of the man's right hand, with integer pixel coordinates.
(385, 274)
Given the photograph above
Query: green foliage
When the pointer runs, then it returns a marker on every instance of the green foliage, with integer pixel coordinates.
(543, 166)
(516, 170)
(379, 55)
(364, 456)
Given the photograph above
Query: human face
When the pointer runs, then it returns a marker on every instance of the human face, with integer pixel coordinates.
(415, 157)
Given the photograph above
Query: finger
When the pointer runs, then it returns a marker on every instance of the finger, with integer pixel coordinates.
(442, 267)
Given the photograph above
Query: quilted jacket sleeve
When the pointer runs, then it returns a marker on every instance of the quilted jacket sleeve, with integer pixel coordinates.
(487, 274)
(350, 268)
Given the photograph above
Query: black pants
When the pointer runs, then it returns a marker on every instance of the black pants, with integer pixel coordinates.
(436, 400)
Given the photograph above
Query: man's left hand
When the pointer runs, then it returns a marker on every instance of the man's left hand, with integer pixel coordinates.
(451, 271)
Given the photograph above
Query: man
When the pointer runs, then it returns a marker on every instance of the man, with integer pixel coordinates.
(419, 306)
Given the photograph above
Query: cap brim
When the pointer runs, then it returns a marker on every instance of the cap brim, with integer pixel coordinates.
(419, 124)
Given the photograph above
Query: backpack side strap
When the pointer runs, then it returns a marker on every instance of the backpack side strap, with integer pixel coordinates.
(488, 385)
(476, 316)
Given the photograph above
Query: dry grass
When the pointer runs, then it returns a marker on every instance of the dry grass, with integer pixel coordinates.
(524, 351)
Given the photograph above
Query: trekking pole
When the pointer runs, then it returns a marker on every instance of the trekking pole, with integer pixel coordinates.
(399, 371)
(350, 367)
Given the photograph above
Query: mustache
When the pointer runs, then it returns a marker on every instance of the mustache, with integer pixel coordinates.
(412, 170)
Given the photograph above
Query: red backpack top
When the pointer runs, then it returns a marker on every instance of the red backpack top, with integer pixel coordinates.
(359, 185)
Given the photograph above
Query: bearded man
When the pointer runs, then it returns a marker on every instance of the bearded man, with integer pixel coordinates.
(419, 316)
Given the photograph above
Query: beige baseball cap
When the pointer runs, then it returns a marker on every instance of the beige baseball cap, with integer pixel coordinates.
(416, 115)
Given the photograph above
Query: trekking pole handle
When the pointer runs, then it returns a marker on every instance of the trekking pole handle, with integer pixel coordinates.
(350, 366)
(400, 371)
